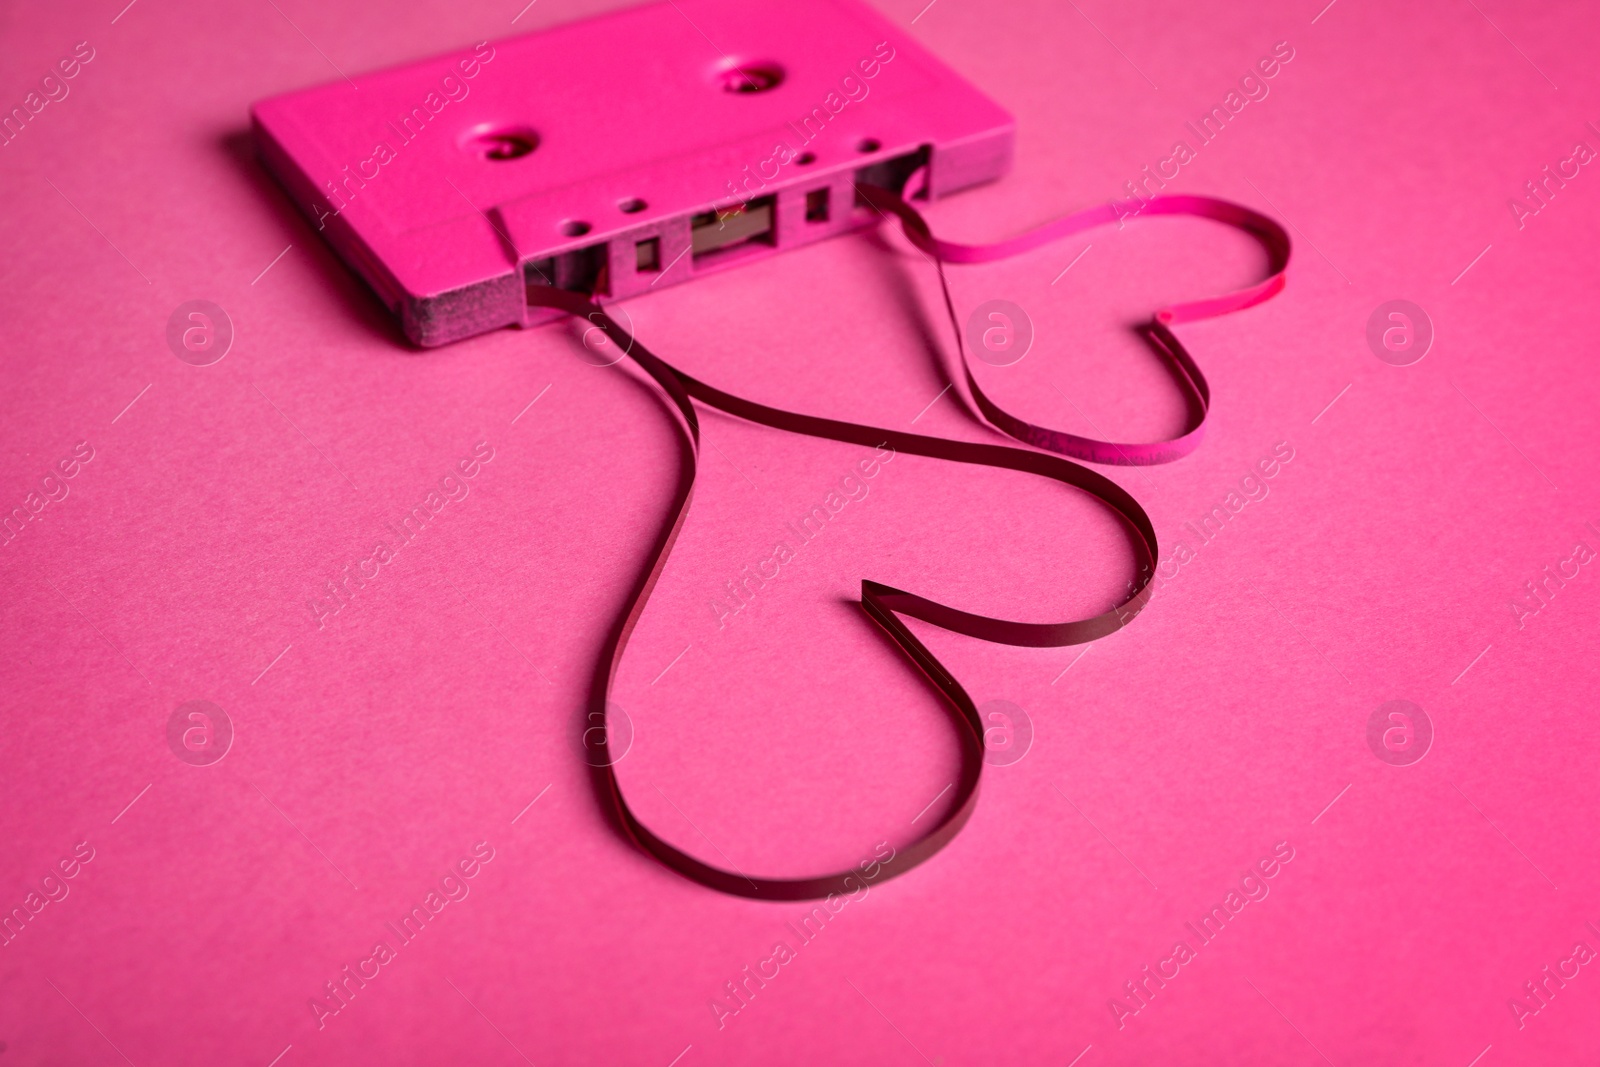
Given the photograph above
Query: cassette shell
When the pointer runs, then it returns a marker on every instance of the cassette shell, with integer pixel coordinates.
(622, 153)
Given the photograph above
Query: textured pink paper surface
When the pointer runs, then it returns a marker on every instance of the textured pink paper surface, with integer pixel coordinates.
(373, 754)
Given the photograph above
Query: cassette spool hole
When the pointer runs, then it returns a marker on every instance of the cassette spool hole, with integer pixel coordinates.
(758, 77)
(501, 145)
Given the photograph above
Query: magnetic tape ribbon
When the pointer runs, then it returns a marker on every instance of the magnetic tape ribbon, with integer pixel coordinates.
(884, 604)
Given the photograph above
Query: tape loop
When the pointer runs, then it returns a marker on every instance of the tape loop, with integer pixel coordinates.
(1272, 237)
(888, 606)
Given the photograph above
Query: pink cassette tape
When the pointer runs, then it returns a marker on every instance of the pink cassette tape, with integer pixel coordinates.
(621, 154)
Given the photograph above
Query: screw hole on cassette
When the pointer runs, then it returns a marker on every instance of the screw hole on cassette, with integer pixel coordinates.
(631, 205)
(868, 144)
(574, 228)
(758, 77)
(805, 159)
(501, 145)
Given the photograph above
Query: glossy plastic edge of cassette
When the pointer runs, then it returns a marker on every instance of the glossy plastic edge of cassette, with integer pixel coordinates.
(430, 319)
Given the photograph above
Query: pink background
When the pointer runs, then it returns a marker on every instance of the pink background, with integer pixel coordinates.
(424, 718)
